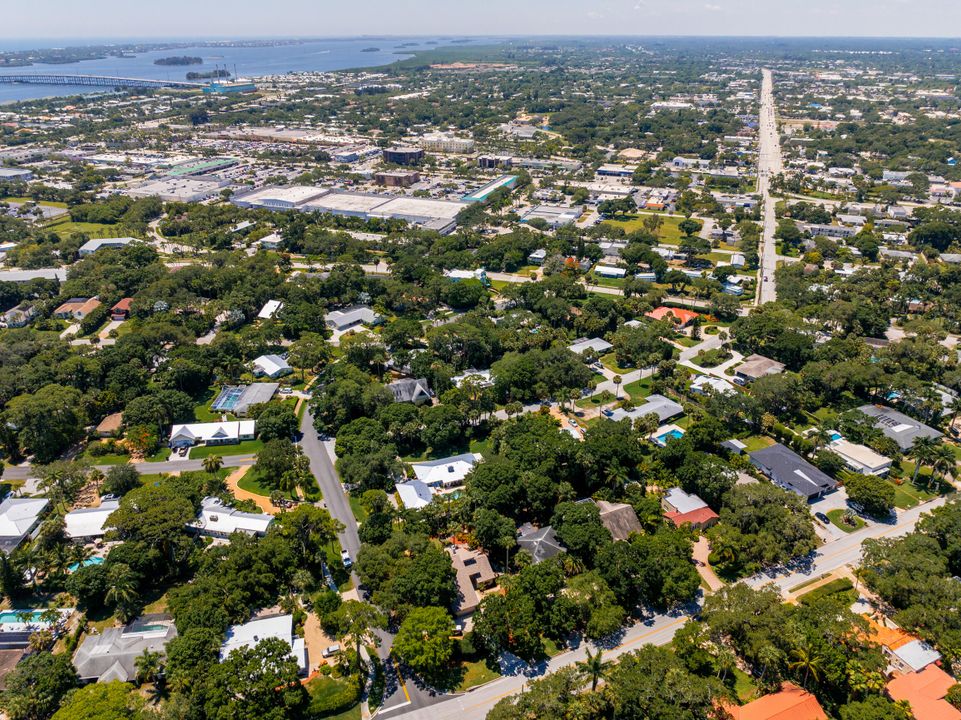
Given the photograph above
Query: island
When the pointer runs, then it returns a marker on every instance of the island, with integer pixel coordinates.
(371, 49)
(179, 60)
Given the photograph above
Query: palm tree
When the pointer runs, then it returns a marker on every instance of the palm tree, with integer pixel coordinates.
(821, 435)
(807, 660)
(922, 451)
(213, 463)
(594, 667)
(768, 657)
(122, 592)
(149, 666)
(726, 663)
(617, 380)
(942, 462)
(40, 640)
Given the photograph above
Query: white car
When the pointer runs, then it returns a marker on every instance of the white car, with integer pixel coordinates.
(345, 559)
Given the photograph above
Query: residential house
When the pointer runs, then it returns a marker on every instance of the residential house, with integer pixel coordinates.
(540, 543)
(756, 366)
(112, 654)
(901, 428)
(619, 519)
(92, 246)
(474, 574)
(790, 471)
(90, 523)
(343, 320)
(861, 459)
(598, 345)
(446, 472)
(272, 366)
(249, 634)
(414, 494)
(110, 425)
(20, 316)
(411, 390)
(121, 311)
(791, 703)
(704, 384)
(925, 692)
(679, 316)
(214, 433)
(218, 520)
(76, 308)
(238, 399)
(682, 508)
(18, 518)
(663, 407)
(270, 309)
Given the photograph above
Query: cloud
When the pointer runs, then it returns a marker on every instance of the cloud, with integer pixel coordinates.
(713, 8)
(594, 15)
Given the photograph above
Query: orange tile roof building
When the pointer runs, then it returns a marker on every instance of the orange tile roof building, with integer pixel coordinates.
(678, 316)
(924, 691)
(792, 703)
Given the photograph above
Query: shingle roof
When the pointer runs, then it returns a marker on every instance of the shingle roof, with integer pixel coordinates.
(792, 472)
(542, 544)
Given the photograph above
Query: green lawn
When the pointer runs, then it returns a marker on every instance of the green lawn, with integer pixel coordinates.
(756, 442)
(246, 447)
(162, 455)
(601, 281)
(668, 233)
(476, 673)
(475, 445)
(46, 203)
(744, 686)
(639, 388)
(835, 587)
(93, 230)
(252, 482)
(326, 691)
(360, 514)
(835, 517)
(595, 401)
(610, 362)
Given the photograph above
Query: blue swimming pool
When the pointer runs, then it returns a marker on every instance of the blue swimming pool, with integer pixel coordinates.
(835, 436)
(85, 563)
(671, 434)
(13, 616)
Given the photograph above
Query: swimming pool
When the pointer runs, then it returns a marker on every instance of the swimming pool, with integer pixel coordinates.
(835, 436)
(85, 563)
(228, 398)
(672, 434)
(8, 617)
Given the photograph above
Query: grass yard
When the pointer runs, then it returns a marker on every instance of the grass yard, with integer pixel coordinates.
(47, 203)
(744, 686)
(360, 514)
(601, 281)
(476, 673)
(329, 692)
(668, 233)
(162, 455)
(595, 401)
(246, 447)
(93, 230)
(835, 587)
(756, 442)
(639, 388)
(836, 515)
(610, 362)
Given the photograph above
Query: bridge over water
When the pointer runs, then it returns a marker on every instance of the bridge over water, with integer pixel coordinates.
(96, 81)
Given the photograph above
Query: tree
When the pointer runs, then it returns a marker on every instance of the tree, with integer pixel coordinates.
(424, 641)
(358, 621)
(579, 527)
(35, 687)
(309, 352)
(689, 226)
(120, 480)
(212, 463)
(594, 667)
(101, 701)
(495, 532)
(873, 494)
(806, 661)
(122, 591)
(275, 459)
(617, 380)
(258, 683)
(875, 708)
(923, 452)
(47, 422)
(149, 666)
(275, 421)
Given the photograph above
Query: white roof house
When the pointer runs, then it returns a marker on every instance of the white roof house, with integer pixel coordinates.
(663, 407)
(703, 384)
(351, 317)
(598, 345)
(915, 656)
(681, 502)
(446, 472)
(251, 633)
(860, 458)
(218, 520)
(415, 494)
(609, 271)
(215, 433)
(273, 366)
(91, 246)
(18, 517)
(89, 522)
(270, 308)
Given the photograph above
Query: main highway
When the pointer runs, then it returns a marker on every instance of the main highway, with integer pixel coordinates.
(769, 165)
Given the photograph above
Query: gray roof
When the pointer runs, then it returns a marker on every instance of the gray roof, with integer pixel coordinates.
(255, 394)
(112, 655)
(409, 390)
(790, 471)
(663, 407)
(904, 430)
(542, 544)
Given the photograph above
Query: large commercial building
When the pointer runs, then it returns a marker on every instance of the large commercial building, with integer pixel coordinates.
(439, 215)
(178, 189)
(403, 155)
(446, 143)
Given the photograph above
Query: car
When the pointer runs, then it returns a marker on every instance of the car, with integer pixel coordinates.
(345, 559)
(572, 422)
(823, 518)
(607, 412)
(286, 391)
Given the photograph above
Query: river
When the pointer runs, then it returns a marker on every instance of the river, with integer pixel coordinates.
(249, 62)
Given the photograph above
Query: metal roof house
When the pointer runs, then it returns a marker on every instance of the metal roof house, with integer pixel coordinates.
(446, 472)
(901, 428)
(342, 320)
(89, 522)
(542, 543)
(663, 407)
(272, 366)
(251, 633)
(217, 520)
(790, 471)
(18, 518)
(112, 655)
(215, 433)
(410, 390)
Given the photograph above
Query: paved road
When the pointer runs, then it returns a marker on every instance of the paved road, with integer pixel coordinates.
(335, 500)
(769, 164)
(24, 472)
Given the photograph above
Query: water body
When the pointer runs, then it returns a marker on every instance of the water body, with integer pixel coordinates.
(250, 62)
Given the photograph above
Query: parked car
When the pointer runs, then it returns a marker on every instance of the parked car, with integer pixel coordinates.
(822, 518)
(345, 559)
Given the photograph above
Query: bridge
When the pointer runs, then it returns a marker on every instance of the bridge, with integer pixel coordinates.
(97, 81)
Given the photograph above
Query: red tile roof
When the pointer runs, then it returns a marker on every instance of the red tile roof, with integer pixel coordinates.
(681, 316)
(925, 692)
(792, 703)
(697, 518)
(122, 305)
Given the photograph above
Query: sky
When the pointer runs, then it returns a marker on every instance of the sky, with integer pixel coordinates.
(98, 19)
